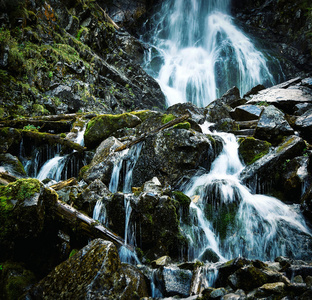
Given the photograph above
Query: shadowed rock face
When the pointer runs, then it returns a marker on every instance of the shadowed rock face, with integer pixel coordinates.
(95, 271)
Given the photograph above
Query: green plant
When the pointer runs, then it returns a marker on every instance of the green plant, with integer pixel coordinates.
(50, 74)
(31, 127)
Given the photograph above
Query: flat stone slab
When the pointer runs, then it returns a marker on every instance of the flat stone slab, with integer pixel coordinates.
(284, 99)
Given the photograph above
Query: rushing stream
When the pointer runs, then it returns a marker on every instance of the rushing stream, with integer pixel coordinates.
(197, 56)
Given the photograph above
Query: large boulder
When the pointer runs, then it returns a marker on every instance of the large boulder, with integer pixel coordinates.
(272, 125)
(93, 272)
(304, 125)
(271, 167)
(170, 152)
(101, 127)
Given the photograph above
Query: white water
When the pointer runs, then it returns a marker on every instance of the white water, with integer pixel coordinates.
(203, 53)
(261, 227)
(54, 167)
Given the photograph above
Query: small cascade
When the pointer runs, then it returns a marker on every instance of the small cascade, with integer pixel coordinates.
(196, 57)
(229, 221)
(59, 167)
(124, 166)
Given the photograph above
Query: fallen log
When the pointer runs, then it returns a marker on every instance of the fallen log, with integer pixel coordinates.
(48, 138)
(69, 182)
(85, 225)
(146, 134)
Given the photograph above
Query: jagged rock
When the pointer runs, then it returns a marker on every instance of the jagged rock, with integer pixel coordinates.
(12, 165)
(218, 293)
(10, 139)
(170, 152)
(282, 97)
(162, 261)
(197, 115)
(276, 289)
(246, 112)
(24, 209)
(15, 280)
(272, 125)
(220, 108)
(176, 281)
(95, 271)
(251, 149)
(304, 125)
(102, 164)
(94, 192)
(270, 167)
(101, 127)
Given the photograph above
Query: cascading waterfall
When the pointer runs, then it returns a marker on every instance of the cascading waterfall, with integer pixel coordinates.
(233, 222)
(197, 56)
(124, 162)
(47, 162)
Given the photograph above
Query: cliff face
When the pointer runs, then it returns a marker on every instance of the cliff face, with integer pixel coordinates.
(69, 56)
(285, 26)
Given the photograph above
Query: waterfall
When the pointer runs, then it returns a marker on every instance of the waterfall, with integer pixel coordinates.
(229, 221)
(197, 56)
(47, 161)
(124, 163)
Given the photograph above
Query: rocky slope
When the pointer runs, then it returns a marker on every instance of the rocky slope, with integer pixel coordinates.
(67, 70)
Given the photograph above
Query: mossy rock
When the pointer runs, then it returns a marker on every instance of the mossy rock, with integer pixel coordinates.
(14, 280)
(12, 164)
(184, 125)
(25, 206)
(9, 140)
(101, 127)
(251, 149)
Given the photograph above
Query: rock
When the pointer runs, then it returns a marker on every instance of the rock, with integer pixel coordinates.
(160, 262)
(10, 139)
(101, 127)
(251, 149)
(276, 289)
(12, 165)
(272, 125)
(95, 191)
(95, 271)
(304, 125)
(246, 112)
(218, 293)
(24, 210)
(220, 108)
(254, 90)
(271, 167)
(15, 280)
(171, 152)
(283, 98)
(177, 281)
(103, 162)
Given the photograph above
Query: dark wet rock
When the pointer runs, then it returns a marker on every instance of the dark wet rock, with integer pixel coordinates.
(269, 168)
(101, 127)
(304, 125)
(9, 140)
(94, 192)
(255, 90)
(251, 149)
(246, 112)
(95, 272)
(272, 125)
(220, 108)
(197, 115)
(169, 153)
(12, 165)
(102, 163)
(15, 280)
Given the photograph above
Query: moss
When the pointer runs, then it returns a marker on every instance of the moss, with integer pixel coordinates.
(251, 149)
(183, 199)
(285, 144)
(167, 118)
(15, 280)
(184, 125)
